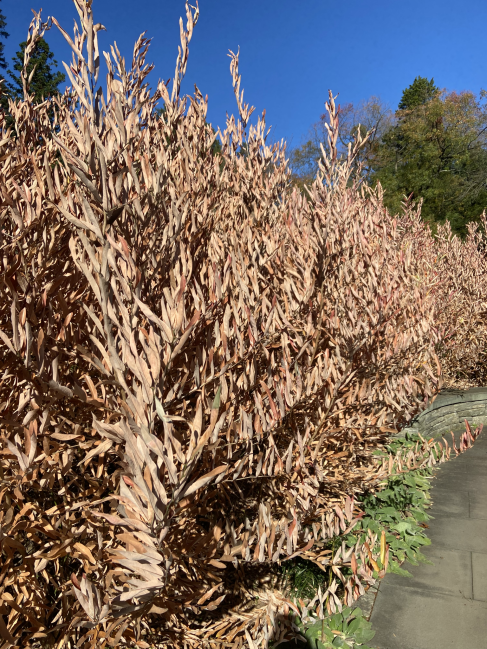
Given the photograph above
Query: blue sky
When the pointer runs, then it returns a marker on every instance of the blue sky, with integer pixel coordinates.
(291, 51)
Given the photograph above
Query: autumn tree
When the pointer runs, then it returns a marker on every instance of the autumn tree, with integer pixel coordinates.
(436, 152)
(371, 115)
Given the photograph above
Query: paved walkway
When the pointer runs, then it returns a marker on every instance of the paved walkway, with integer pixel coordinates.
(443, 606)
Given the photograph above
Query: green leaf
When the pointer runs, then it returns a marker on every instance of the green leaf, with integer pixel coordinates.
(410, 480)
(353, 626)
(422, 559)
(336, 621)
(314, 631)
(402, 527)
(384, 495)
(395, 568)
(364, 635)
(216, 400)
(390, 511)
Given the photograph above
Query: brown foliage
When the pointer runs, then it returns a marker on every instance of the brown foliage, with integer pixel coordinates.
(454, 273)
(196, 370)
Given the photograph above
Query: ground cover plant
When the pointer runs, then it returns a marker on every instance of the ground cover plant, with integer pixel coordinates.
(347, 628)
(197, 365)
(396, 513)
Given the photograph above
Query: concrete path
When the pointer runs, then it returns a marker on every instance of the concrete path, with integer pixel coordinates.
(443, 606)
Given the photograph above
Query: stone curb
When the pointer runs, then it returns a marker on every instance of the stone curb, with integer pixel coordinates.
(448, 413)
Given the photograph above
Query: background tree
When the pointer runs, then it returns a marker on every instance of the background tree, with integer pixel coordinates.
(434, 148)
(369, 115)
(3, 63)
(418, 93)
(3, 35)
(437, 151)
(45, 81)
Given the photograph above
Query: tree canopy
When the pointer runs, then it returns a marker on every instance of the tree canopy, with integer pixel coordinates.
(437, 152)
(433, 148)
(3, 34)
(418, 93)
(371, 115)
(45, 81)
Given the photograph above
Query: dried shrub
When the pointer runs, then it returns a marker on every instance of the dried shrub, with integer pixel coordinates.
(197, 364)
(463, 268)
(454, 273)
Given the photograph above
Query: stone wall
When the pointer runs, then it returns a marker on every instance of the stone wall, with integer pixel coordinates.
(448, 413)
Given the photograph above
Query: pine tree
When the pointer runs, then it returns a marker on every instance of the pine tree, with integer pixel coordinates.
(3, 63)
(45, 81)
(418, 93)
(3, 34)
(436, 152)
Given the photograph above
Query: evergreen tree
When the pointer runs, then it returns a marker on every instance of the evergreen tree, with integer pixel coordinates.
(45, 81)
(436, 152)
(3, 63)
(3, 34)
(418, 93)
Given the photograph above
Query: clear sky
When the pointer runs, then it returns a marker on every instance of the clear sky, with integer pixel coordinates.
(291, 51)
